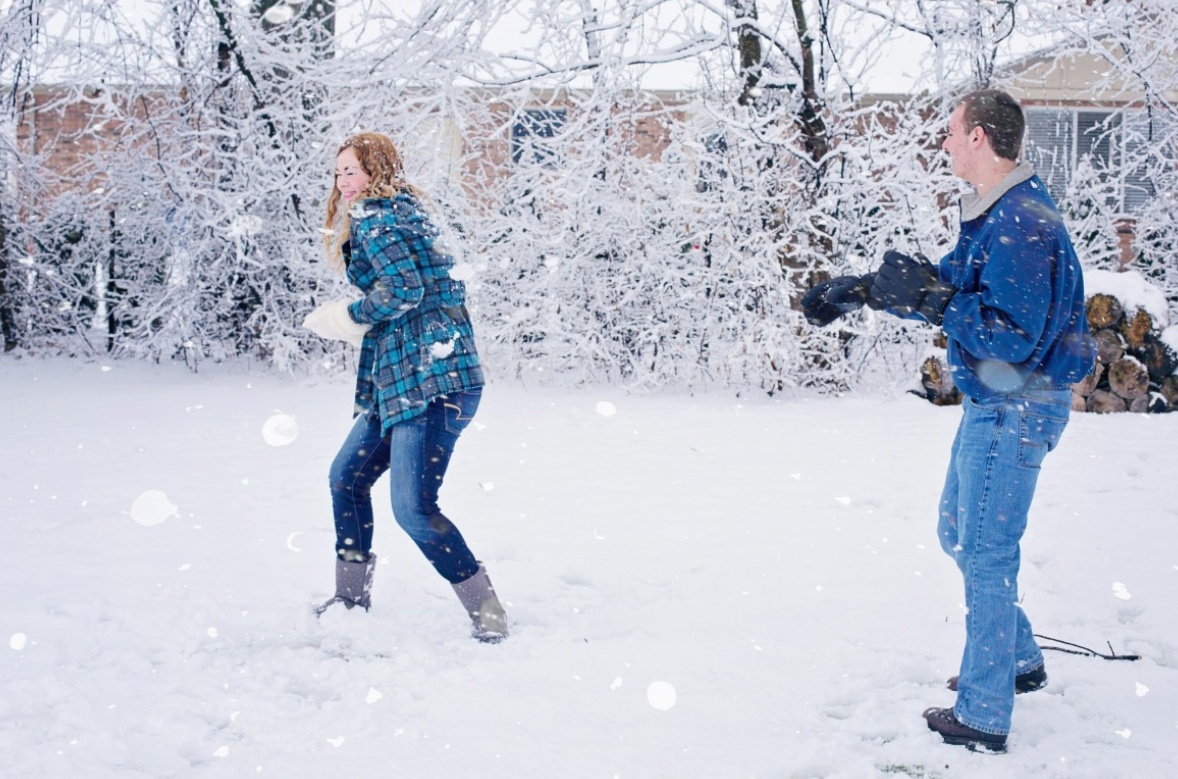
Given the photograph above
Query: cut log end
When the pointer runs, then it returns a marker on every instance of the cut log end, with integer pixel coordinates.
(1103, 311)
(1136, 328)
(937, 383)
(1106, 402)
(1128, 378)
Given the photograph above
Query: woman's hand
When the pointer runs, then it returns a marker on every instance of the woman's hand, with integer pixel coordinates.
(333, 322)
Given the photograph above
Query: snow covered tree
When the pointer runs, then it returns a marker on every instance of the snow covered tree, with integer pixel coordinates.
(610, 232)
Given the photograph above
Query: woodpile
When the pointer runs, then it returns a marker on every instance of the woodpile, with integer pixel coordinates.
(936, 382)
(1134, 366)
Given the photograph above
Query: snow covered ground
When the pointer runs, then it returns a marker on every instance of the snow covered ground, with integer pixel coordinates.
(700, 587)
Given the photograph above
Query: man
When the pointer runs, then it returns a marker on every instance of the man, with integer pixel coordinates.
(1010, 298)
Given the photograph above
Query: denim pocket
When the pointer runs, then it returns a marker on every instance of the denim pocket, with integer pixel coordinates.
(1041, 424)
(989, 410)
(459, 409)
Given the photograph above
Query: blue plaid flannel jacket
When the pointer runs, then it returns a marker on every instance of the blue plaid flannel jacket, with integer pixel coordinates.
(421, 344)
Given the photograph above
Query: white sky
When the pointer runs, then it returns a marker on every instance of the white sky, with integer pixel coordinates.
(881, 60)
(877, 60)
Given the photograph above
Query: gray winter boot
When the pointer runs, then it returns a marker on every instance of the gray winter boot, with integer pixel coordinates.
(488, 620)
(353, 582)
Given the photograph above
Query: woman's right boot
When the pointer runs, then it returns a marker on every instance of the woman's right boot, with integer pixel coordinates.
(353, 582)
(488, 620)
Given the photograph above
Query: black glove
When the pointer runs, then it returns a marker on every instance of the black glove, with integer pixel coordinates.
(830, 299)
(909, 284)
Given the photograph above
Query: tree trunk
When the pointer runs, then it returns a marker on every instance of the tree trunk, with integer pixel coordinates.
(748, 45)
(7, 318)
(812, 123)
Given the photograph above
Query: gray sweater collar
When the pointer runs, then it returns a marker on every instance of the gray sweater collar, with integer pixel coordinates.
(973, 206)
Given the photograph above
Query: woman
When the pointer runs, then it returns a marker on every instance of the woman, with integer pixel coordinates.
(419, 379)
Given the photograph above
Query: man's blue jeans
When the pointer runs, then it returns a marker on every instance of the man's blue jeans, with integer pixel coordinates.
(416, 453)
(999, 447)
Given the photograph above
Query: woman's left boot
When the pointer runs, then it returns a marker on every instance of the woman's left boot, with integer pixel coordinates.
(488, 620)
(353, 582)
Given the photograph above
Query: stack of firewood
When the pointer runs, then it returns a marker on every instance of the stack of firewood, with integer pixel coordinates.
(936, 383)
(1134, 367)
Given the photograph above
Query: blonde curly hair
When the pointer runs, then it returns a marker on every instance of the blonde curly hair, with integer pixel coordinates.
(382, 162)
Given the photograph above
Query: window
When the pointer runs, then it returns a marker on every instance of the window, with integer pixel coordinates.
(1116, 143)
(1148, 153)
(534, 134)
(1049, 147)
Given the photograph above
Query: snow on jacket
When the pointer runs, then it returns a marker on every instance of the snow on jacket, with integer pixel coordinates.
(421, 344)
(1018, 321)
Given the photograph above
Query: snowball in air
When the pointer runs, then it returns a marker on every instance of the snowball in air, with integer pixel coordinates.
(661, 695)
(463, 272)
(373, 695)
(1121, 591)
(280, 430)
(17, 641)
(605, 408)
(152, 508)
(442, 349)
(246, 225)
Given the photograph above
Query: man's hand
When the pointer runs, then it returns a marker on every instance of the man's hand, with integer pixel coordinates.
(830, 299)
(909, 285)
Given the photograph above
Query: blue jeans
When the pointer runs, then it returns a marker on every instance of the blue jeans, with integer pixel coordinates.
(416, 453)
(999, 447)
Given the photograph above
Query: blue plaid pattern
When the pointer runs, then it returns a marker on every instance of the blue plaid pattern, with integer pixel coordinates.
(421, 344)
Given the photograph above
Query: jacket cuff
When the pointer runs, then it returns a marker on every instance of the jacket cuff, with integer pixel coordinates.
(936, 300)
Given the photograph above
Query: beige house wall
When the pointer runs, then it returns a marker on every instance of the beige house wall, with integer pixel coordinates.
(1078, 79)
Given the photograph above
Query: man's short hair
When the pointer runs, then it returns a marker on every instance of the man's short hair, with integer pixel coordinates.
(1000, 116)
